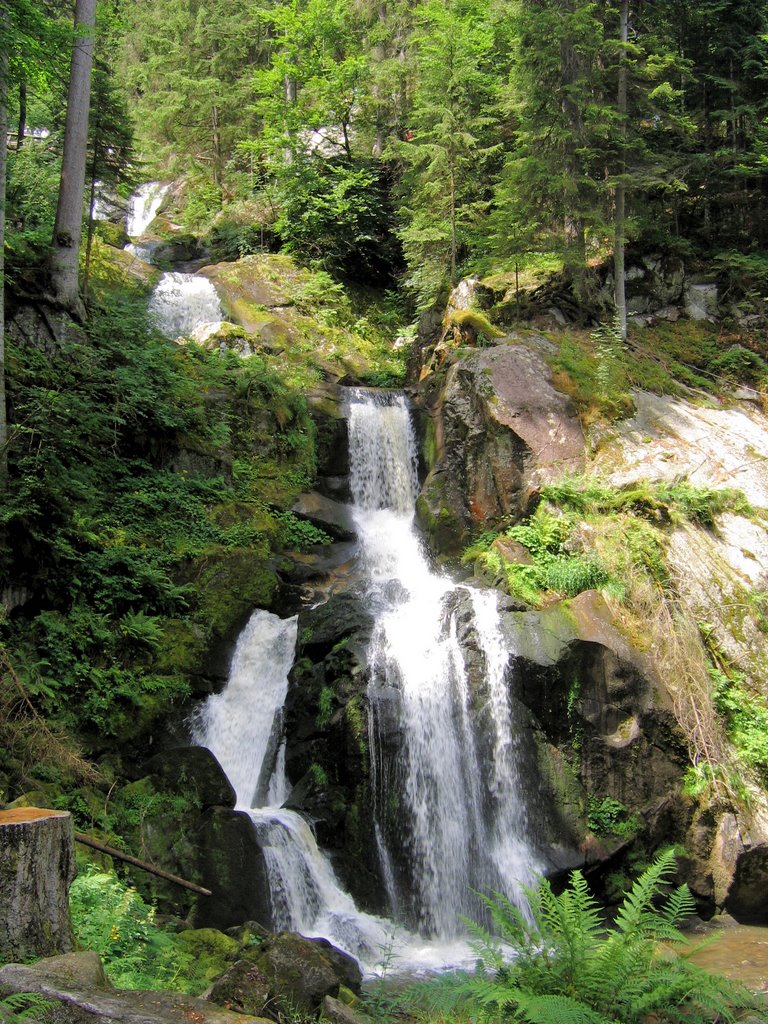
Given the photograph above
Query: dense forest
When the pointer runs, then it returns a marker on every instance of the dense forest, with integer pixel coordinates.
(338, 167)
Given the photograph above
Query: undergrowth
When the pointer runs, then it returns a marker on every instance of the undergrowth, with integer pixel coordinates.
(598, 371)
(142, 476)
(556, 962)
(113, 920)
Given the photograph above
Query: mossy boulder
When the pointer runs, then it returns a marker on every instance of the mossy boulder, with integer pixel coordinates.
(212, 951)
(231, 583)
(113, 234)
(286, 974)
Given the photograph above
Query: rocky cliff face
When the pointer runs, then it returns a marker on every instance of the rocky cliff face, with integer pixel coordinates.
(608, 719)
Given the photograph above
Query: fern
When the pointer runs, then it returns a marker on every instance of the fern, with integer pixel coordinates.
(24, 1006)
(569, 968)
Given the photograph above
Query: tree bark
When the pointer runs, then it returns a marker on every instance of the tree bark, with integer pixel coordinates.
(68, 229)
(619, 276)
(22, 112)
(3, 169)
(37, 865)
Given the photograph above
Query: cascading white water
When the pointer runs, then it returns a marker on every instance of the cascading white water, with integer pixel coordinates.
(181, 302)
(458, 822)
(145, 203)
(242, 726)
(461, 828)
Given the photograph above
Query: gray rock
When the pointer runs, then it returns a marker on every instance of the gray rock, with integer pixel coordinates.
(76, 985)
(701, 301)
(339, 1013)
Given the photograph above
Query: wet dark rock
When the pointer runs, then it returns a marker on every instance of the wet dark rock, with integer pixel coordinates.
(232, 867)
(334, 517)
(747, 898)
(195, 769)
(287, 974)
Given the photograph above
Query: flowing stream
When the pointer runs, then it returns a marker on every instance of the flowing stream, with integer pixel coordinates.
(182, 302)
(449, 815)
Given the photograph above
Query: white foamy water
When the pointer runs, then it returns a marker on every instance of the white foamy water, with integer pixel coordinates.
(145, 203)
(462, 828)
(182, 302)
(460, 823)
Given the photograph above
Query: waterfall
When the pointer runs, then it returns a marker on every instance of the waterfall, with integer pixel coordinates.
(181, 302)
(145, 203)
(450, 819)
(460, 827)
(242, 726)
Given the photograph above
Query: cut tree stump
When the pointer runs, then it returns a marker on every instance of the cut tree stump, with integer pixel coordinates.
(37, 865)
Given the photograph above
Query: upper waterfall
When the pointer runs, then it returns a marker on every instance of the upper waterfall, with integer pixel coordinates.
(145, 203)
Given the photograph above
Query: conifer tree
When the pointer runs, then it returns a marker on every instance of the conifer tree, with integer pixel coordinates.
(452, 140)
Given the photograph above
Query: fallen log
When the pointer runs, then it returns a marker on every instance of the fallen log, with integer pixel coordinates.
(144, 865)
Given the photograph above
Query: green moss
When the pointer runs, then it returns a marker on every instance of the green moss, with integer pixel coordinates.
(469, 320)
(232, 583)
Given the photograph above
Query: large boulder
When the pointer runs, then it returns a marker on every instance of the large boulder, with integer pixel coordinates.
(497, 431)
(288, 974)
(80, 993)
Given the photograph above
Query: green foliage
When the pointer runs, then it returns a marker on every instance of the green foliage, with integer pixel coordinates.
(545, 535)
(568, 968)
(336, 213)
(746, 716)
(111, 536)
(608, 817)
(655, 500)
(111, 918)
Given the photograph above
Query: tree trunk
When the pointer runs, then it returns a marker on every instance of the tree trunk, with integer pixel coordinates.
(619, 277)
(68, 230)
(37, 865)
(3, 168)
(22, 112)
(573, 225)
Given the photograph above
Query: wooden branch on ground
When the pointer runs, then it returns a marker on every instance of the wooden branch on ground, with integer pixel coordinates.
(112, 852)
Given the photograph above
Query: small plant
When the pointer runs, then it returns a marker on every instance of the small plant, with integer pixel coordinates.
(324, 708)
(610, 817)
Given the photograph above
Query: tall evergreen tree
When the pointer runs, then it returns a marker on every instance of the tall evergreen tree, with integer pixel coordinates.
(452, 141)
(67, 232)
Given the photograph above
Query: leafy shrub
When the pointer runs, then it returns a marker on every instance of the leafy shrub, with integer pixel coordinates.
(567, 968)
(609, 817)
(111, 918)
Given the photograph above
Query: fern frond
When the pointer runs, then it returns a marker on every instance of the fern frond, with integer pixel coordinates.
(548, 1009)
(639, 899)
(25, 1006)
(679, 906)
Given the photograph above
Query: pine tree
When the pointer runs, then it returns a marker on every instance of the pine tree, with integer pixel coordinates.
(452, 140)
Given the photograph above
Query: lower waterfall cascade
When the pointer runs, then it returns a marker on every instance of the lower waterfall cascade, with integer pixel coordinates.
(182, 302)
(462, 824)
